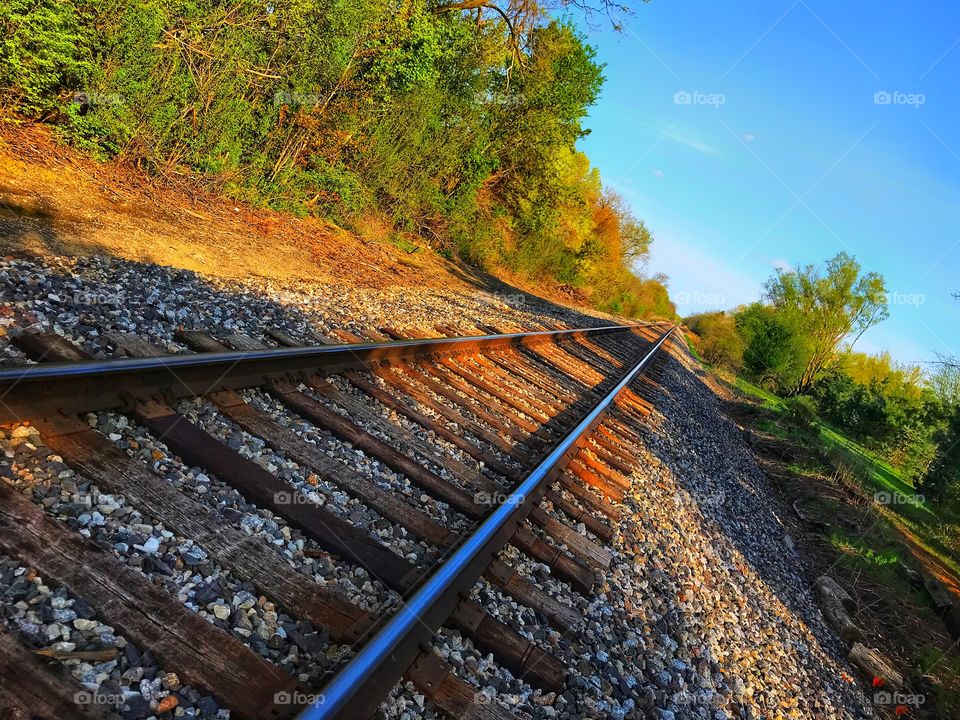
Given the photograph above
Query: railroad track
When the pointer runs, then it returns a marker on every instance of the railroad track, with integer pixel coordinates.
(512, 439)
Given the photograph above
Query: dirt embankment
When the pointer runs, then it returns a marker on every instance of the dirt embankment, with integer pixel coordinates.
(56, 200)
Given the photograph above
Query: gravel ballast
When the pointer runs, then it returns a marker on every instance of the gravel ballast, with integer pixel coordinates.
(704, 612)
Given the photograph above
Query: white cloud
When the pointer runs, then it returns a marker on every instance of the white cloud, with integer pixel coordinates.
(658, 173)
(678, 136)
(690, 141)
(749, 137)
(781, 265)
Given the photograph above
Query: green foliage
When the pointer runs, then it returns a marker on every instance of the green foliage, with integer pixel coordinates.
(341, 107)
(44, 51)
(770, 345)
(885, 407)
(799, 412)
(825, 307)
(792, 345)
(719, 342)
(942, 481)
(945, 381)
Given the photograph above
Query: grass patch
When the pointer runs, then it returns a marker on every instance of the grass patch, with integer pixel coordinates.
(933, 527)
(401, 243)
(857, 548)
(766, 398)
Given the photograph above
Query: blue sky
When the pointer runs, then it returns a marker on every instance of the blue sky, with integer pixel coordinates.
(750, 135)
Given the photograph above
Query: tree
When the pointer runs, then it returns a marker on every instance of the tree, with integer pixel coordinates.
(521, 16)
(770, 352)
(945, 380)
(827, 307)
(943, 478)
(719, 342)
(635, 237)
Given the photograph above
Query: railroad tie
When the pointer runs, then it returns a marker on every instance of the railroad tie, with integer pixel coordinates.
(197, 447)
(200, 653)
(97, 459)
(31, 689)
(458, 699)
(586, 496)
(592, 523)
(398, 436)
(285, 440)
(431, 425)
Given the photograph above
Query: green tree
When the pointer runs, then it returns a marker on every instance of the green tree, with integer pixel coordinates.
(770, 345)
(888, 407)
(718, 340)
(827, 306)
(433, 117)
(945, 380)
(44, 52)
(943, 478)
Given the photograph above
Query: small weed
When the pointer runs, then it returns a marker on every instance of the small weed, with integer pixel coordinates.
(857, 548)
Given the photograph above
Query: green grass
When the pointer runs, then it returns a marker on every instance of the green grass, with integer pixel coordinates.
(876, 551)
(932, 525)
(881, 474)
(858, 548)
(878, 472)
(765, 397)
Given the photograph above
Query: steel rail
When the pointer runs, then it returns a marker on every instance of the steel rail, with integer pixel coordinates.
(358, 688)
(86, 386)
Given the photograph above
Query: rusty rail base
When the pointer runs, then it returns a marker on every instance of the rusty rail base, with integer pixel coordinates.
(358, 688)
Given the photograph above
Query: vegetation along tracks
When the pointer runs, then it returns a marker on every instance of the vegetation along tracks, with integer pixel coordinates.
(536, 433)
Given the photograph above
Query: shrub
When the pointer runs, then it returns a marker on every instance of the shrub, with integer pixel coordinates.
(799, 412)
(719, 343)
(44, 52)
(770, 345)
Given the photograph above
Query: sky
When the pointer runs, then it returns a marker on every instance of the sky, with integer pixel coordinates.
(763, 134)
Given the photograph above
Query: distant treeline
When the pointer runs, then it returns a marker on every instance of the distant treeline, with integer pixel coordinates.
(458, 123)
(797, 342)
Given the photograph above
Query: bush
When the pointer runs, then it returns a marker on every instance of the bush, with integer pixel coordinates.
(340, 107)
(770, 351)
(44, 52)
(799, 412)
(719, 343)
(942, 480)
